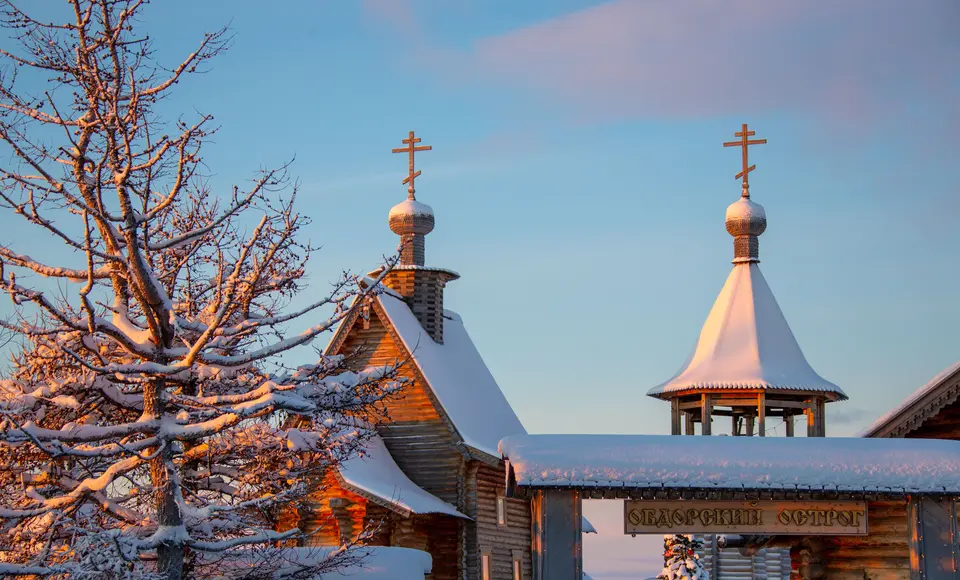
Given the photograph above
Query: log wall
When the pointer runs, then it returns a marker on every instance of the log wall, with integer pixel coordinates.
(884, 554)
(484, 485)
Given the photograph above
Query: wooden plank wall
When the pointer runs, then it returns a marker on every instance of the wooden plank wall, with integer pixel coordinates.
(419, 440)
(882, 555)
(484, 485)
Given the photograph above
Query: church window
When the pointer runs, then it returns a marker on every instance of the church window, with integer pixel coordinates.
(485, 567)
(501, 512)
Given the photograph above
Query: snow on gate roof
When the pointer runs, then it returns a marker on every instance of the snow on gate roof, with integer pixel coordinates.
(458, 377)
(735, 463)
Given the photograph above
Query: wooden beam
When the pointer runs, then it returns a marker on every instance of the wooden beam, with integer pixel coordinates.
(689, 405)
(674, 416)
(789, 422)
(761, 415)
(776, 403)
(750, 421)
(690, 429)
(733, 425)
(706, 406)
(811, 421)
(822, 414)
(557, 549)
(933, 538)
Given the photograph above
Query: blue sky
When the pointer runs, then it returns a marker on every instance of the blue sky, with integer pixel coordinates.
(579, 181)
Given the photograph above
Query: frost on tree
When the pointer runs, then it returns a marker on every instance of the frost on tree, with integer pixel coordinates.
(146, 424)
(680, 559)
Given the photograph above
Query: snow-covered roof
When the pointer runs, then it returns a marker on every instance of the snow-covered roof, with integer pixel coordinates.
(410, 207)
(735, 463)
(916, 402)
(457, 376)
(586, 527)
(746, 343)
(377, 474)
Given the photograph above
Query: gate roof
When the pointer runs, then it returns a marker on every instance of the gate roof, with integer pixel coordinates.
(659, 462)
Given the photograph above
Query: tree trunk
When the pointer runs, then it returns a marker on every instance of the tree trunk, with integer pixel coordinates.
(169, 554)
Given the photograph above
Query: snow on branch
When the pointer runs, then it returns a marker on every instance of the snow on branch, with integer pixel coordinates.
(146, 419)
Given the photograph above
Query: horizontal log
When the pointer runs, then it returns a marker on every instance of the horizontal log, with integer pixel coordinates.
(834, 574)
(853, 552)
(870, 564)
(894, 541)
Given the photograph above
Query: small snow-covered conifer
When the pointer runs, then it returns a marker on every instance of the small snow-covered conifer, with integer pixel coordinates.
(680, 559)
(146, 425)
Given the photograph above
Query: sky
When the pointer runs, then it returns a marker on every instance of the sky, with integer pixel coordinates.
(579, 180)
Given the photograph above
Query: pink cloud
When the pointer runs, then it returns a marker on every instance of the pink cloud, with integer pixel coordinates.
(633, 58)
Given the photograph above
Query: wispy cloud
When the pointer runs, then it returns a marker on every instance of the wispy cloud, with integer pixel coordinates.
(655, 58)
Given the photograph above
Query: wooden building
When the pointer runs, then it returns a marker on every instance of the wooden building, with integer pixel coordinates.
(433, 477)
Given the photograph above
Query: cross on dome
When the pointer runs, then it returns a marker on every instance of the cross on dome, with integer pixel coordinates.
(743, 143)
(411, 148)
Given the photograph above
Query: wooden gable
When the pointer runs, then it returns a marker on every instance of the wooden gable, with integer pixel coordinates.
(428, 448)
(420, 437)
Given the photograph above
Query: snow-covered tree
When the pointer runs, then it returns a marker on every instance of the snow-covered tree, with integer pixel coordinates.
(146, 426)
(680, 559)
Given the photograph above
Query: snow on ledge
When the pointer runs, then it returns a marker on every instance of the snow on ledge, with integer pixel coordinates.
(586, 527)
(377, 474)
(735, 463)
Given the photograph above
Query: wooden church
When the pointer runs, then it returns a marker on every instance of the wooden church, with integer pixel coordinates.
(433, 478)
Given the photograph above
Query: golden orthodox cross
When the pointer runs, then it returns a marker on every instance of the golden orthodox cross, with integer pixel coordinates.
(411, 148)
(744, 142)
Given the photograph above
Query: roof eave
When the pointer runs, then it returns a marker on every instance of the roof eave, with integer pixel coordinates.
(393, 506)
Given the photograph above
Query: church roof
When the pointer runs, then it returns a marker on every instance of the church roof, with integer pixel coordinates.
(746, 343)
(376, 474)
(457, 375)
(925, 402)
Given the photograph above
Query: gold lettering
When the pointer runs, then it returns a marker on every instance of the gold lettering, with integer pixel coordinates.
(664, 519)
(831, 517)
(800, 517)
(649, 517)
(678, 517)
(736, 517)
(855, 518)
(783, 516)
(843, 518)
(759, 514)
(707, 517)
(691, 517)
(634, 518)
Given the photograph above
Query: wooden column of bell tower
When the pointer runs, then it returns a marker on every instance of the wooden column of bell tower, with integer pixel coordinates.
(749, 412)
